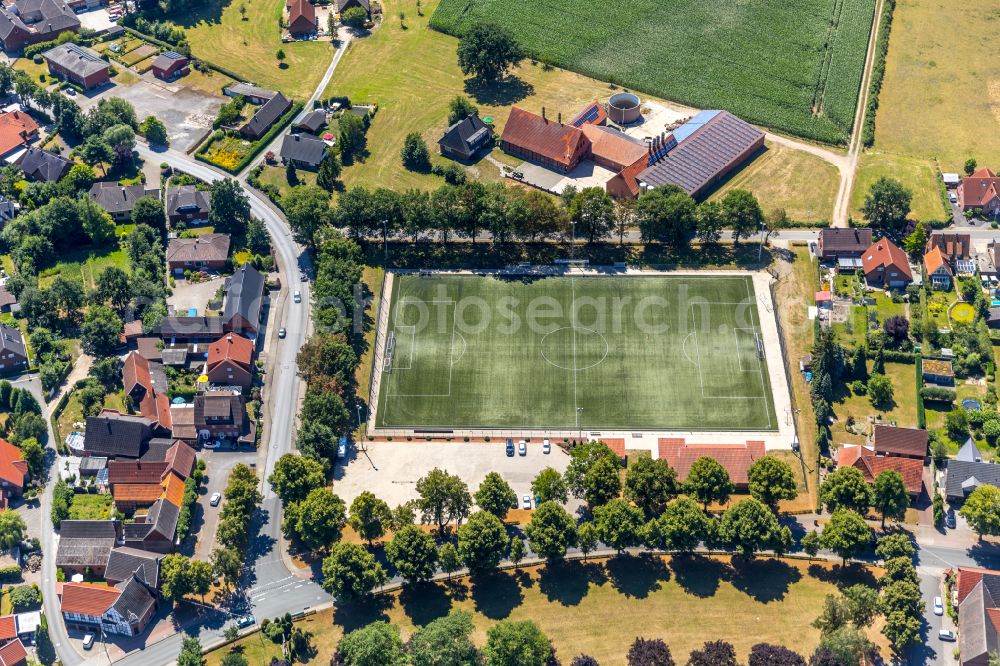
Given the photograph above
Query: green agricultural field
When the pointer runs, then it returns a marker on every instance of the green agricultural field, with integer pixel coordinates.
(658, 353)
(793, 66)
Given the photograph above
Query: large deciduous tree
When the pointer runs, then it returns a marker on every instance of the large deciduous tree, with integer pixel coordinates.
(516, 643)
(749, 526)
(889, 496)
(369, 516)
(708, 481)
(413, 553)
(351, 572)
(482, 542)
(982, 511)
(443, 498)
(486, 51)
(650, 484)
(495, 495)
(846, 534)
(846, 488)
(771, 480)
(619, 524)
(551, 531)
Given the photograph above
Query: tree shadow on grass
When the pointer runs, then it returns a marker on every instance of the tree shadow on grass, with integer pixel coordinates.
(356, 614)
(764, 580)
(504, 92)
(424, 602)
(564, 582)
(496, 595)
(841, 576)
(699, 575)
(637, 576)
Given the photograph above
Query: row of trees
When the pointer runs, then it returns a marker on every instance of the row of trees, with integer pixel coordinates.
(241, 500)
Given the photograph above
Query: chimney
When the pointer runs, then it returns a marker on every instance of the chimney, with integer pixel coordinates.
(559, 116)
(543, 113)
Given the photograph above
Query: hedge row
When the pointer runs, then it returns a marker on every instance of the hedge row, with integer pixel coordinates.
(258, 145)
(895, 356)
(921, 415)
(937, 394)
(878, 73)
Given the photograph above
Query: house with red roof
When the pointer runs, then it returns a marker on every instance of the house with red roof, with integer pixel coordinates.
(938, 268)
(17, 131)
(735, 458)
(230, 361)
(864, 459)
(123, 610)
(13, 472)
(13, 653)
(538, 139)
(146, 385)
(976, 595)
(301, 18)
(886, 266)
(980, 191)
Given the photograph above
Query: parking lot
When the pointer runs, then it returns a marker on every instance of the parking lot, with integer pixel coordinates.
(187, 295)
(218, 465)
(391, 469)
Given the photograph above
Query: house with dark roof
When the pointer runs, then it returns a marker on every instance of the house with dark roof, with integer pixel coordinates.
(900, 442)
(537, 139)
(735, 458)
(122, 610)
(230, 361)
(839, 243)
(252, 93)
(123, 563)
(86, 544)
(344, 5)
(119, 200)
(466, 139)
(8, 301)
(221, 414)
(77, 64)
(301, 18)
(976, 595)
(886, 266)
(156, 531)
(13, 472)
(312, 122)
(13, 353)
(964, 476)
(34, 21)
(111, 434)
(244, 301)
(169, 65)
(41, 165)
(701, 153)
(175, 330)
(303, 151)
(186, 203)
(203, 252)
(980, 191)
(864, 459)
(267, 115)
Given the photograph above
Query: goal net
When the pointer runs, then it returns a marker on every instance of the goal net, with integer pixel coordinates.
(390, 347)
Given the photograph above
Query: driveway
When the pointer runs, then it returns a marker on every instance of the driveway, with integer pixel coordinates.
(187, 113)
(391, 469)
(205, 518)
(195, 295)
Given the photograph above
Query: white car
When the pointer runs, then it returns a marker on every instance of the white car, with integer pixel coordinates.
(211, 444)
(297, 297)
(522, 448)
(216, 498)
(526, 502)
(938, 606)
(947, 635)
(88, 641)
(546, 447)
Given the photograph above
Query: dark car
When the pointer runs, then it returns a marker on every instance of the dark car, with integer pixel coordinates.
(949, 520)
(510, 448)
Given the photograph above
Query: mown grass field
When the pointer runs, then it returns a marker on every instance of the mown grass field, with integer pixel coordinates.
(915, 173)
(790, 66)
(941, 94)
(803, 184)
(218, 33)
(772, 601)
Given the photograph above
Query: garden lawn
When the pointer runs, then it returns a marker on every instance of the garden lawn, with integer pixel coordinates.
(938, 306)
(84, 265)
(73, 411)
(771, 62)
(372, 278)
(941, 95)
(218, 34)
(768, 600)
(90, 507)
(885, 307)
(802, 183)
(916, 174)
(227, 151)
(277, 176)
(853, 332)
(903, 410)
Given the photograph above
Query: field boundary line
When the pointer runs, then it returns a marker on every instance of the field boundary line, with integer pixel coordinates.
(760, 367)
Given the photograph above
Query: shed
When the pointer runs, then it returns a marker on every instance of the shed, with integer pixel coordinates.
(938, 372)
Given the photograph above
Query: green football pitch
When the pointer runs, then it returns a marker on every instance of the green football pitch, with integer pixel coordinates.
(568, 353)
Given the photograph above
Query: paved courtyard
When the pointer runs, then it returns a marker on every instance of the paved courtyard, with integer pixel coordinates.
(187, 295)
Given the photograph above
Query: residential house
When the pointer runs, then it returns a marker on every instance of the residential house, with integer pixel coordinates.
(78, 65)
(938, 269)
(86, 544)
(836, 244)
(156, 531)
(900, 442)
(41, 165)
(13, 653)
(220, 414)
(123, 563)
(177, 330)
(111, 434)
(466, 139)
(230, 361)
(244, 301)
(976, 595)
(980, 192)
(735, 458)
(188, 204)
(180, 459)
(169, 65)
(265, 118)
(13, 472)
(967, 472)
(122, 610)
(312, 122)
(34, 21)
(13, 353)
(886, 266)
(17, 131)
(8, 210)
(303, 151)
(937, 371)
(956, 250)
(203, 252)
(864, 459)
(250, 93)
(344, 5)
(119, 200)
(301, 18)
(537, 139)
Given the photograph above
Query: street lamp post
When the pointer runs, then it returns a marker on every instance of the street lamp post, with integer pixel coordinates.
(760, 250)
(358, 408)
(579, 428)
(385, 242)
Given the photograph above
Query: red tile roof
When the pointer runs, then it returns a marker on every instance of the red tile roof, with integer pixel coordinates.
(87, 598)
(549, 139)
(135, 471)
(13, 469)
(967, 579)
(616, 445)
(863, 458)
(8, 628)
(231, 347)
(954, 246)
(300, 9)
(934, 260)
(978, 189)
(173, 489)
(180, 459)
(137, 492)
(16, 129)
(884, 254)
(630, 175)
(13, 654)
(736, 458)
(889, 440)
(613, 146)
(153, 405)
